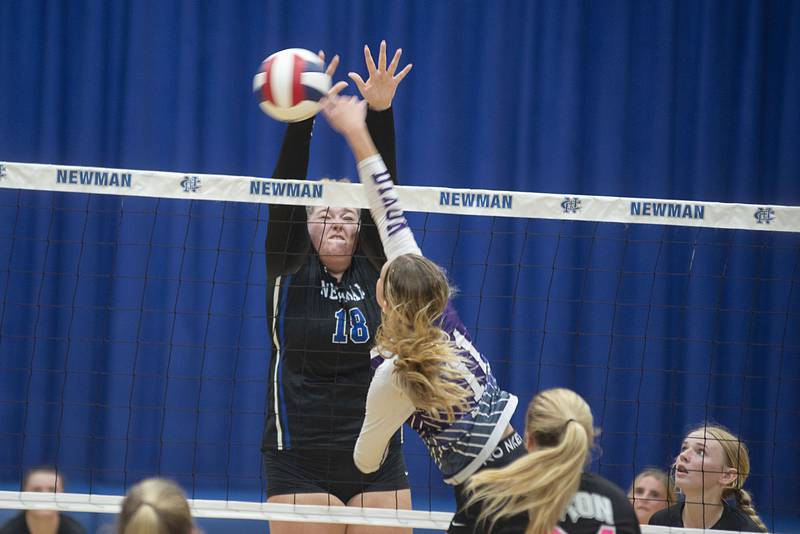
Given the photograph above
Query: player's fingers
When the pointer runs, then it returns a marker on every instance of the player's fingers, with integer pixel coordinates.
(382, 57)
(368, 59)
(403, 73)
(358, 81)
(321, 55)
(333, 66)
(338, 88)
(395, 61)
(324, 104)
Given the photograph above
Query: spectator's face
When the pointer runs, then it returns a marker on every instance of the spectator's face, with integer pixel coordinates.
(43, 482)
(333, 233)
(648, 496)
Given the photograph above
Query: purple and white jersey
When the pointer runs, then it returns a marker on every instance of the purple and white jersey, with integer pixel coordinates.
(458, 447)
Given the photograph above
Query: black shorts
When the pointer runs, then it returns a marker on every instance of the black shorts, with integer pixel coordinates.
(508, 450)
(331, 471)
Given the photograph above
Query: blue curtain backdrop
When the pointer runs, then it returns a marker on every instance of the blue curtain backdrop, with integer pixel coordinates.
(659, 329)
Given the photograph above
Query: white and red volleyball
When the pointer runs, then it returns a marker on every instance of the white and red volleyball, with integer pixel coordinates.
(290, 83)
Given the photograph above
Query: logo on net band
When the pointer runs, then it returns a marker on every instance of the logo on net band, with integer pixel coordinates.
(2, 171)
(190, 184)
(571, 205)
(764, 215)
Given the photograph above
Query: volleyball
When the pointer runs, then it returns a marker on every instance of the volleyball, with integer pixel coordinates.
(290, 83)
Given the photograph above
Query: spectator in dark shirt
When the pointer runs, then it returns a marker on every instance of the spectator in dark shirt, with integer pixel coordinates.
(45, 480)
(652, 490)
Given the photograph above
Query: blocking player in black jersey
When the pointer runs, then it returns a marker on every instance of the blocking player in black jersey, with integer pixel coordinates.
(322, 265)
(712, 466)
(547, 491)
(428, 372)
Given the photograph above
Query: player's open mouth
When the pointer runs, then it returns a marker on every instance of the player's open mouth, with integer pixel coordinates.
(681, 469)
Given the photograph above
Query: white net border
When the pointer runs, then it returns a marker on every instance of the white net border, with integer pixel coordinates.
(240, 510)
(174, 185)
(235, 510)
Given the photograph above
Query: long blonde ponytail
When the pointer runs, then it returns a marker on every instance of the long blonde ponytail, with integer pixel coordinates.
(428, 367)
(737, 456)
(545, 480)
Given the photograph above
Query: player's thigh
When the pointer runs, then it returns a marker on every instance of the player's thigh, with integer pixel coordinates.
(396, 500)
(291, 527)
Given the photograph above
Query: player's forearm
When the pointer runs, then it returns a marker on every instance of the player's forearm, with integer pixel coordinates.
(385, 206)
(293, 157)
(360, 142)
(386, 409)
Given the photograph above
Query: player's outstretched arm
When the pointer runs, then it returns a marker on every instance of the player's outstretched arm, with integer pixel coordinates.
(287, 238)
(293, 157)
(379, 91)
(347, 115)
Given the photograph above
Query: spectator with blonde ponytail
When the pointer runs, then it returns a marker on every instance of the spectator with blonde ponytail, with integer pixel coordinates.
(548, 487)
(155, 506)
(427, 371)
(711, 468)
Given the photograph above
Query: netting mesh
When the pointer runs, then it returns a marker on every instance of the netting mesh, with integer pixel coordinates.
(134, 338)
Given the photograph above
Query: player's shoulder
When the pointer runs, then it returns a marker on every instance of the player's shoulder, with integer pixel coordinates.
(14, 525)
(734, 519)
(382, 362)
(668, 517)
(595, 483)
(624, 517)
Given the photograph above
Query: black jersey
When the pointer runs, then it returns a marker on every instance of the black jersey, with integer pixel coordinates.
(731, 519)
(597, 504)
(321, 330)
(17, 525)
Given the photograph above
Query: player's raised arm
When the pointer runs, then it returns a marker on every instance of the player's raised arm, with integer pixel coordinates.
(287, 239)
(379, 90)
(347, 116)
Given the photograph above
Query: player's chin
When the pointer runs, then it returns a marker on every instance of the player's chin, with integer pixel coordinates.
(43, 514)
(337, 248)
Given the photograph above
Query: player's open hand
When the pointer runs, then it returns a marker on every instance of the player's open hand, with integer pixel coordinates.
(345, 114)
(330, 70)
(380, 87)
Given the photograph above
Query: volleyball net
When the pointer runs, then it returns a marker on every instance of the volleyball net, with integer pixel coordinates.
(134, 340)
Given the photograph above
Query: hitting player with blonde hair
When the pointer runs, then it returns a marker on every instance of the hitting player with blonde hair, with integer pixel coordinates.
(427, 371)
